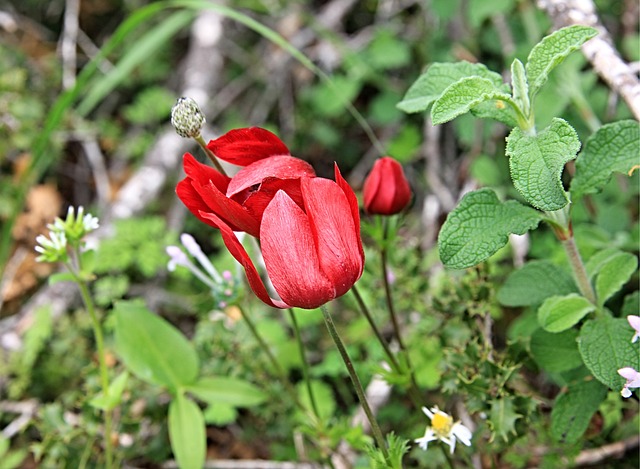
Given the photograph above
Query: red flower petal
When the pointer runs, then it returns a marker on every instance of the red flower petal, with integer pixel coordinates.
(334, 230)
(386, 189)
(353, 204)
(245, 146)
(240, 254)
(204, 173)
(280, 166)
(289, 252)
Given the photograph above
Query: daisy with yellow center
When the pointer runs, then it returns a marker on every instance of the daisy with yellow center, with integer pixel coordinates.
(443, 428)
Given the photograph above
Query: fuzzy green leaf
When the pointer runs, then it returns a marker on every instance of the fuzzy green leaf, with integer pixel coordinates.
(153, 349)
(559, 313)
(520, 86)
(431, 84)
(552, 50)
(463, 95)
(533, 283)
(225, 390)
(613, 148)
(187, 433)
(605, 346)
(614, 274)
(537, 161)
(555, 352)
(573, 409)
(479, 226)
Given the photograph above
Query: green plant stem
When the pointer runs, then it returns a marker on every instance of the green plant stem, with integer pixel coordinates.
(278, 369)
(579, 271)
(305, 364)
(210, 154)
(104, 371)
(375, 428)
(447, 456)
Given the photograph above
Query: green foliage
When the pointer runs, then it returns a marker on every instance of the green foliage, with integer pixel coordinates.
(479, 226)
(605, 346)
(537, 161)
(535, 282)
(556, 352)
(224, 390)
(559, 313)
(186, 430)
(573, 409)
(503, 418)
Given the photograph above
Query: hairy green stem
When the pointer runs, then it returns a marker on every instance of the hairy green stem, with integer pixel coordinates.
(375, 428)
(579, 271)
(210, 154)
(305, 364)
(102, 359)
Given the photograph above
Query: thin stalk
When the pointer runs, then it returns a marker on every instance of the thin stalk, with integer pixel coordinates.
(579, 271)
(357, 385)
(305, 364)
(210, 154)
(104, 371)
(265, 348)
(447, 456)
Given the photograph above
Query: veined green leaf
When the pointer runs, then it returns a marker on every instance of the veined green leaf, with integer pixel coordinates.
(520, 86)
(559, 313)
(613, 148)
(537, 161)
(439, 76)
(551, 51)
(479, 226)
(555, 352)
(535, 282)
(573, 409)
(187, 433)
(463, 95)
(614, 274)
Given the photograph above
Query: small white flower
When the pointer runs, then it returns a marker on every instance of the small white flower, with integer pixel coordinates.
(633, 380)
(178, 257)
(634, 321)
(52, 248)
(443, 428)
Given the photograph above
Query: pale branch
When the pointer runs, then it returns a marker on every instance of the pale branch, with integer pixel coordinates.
(600, 52)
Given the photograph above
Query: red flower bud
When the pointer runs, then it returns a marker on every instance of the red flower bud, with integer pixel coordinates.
(386, 189)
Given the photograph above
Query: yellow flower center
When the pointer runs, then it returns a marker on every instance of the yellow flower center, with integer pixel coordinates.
(442, 424)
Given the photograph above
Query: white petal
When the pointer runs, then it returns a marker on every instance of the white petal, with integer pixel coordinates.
(625, 392)
(462, 433)
(627, 372)
(427, 413)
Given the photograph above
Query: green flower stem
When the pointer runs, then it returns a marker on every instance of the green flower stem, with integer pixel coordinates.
(447, 456)
(579, 271)
(278, 369)
(305, 364)
(375, 428)
(210, 154)
(104, 372)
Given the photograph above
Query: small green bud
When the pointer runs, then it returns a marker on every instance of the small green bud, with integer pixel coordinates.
(187, 118)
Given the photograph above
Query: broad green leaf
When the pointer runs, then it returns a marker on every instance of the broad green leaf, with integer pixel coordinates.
(503, 417)
(605, 346)
(537, 161)
(555, 352)
(559, 313)
(631, 304)
(573, 409)
(431, 84)
(463, 95)
(153, 349)
(534, 282)
(601, 258)
(223, 390)
(61, 277)
(614, 274)
(520, 86)
(116, 388)
(552, 50)
(613, 148)
(323, 395)
(479, 226)
(496, 110)
(220, 414)
(187, 433)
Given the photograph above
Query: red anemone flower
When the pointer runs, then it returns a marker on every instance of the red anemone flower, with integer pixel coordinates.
(312, 251)
(240, 201)
(386, 189)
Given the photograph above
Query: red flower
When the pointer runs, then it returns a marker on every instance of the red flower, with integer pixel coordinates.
(309, 227)
(386, 189)
(241, 200)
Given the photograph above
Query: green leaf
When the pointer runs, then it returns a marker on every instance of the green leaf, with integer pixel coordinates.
(551, 51)
(116, 388)
(431, 84)
(534, 282)
(479, 226)
(503, 417)
(220, 414)
(555, 352)
(614, 274)
(573, 409)
(559, 313)
(323, 395)
(61, 277)
(224, 390)
(187, 433)
(463, 95)
(153, 349)
(613, 148)
(520, 86)
(605, 346)
(537, 161)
